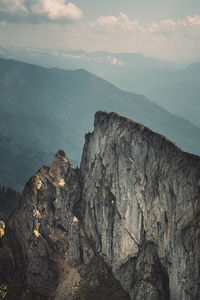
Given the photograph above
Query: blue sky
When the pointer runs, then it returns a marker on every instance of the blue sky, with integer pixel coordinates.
(163, 29)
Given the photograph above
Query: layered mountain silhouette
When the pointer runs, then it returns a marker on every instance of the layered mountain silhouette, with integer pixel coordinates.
(47, 109)
(178, 91)
(171, 85)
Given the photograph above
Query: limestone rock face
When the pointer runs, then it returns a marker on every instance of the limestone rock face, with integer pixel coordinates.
(57, 260)
(41, 228)
(139, 188)
(123, 226)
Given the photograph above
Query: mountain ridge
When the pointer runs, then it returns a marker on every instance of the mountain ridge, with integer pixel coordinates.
(123, 226)
(158, 80)
(48, 109)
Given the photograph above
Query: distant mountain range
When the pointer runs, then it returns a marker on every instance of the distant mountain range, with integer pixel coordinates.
(47, 109)
(75, 59)
(175, 87)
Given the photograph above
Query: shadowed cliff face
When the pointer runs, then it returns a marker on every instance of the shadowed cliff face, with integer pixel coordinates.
(124, 226)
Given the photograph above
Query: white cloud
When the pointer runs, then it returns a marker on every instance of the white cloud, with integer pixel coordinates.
(33, 11)
(194, 26)
(164, 27)
(169, 39)
(113, 24)
(56, 9)
(188, 27)
(193, 20)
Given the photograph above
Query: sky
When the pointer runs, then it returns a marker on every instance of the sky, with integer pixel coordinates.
(159, 28)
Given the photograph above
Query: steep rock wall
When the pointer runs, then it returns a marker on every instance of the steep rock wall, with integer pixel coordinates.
(124, 226)
(138, 188)
(51, 250)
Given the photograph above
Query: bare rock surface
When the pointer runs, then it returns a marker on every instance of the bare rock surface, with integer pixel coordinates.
(123, 226)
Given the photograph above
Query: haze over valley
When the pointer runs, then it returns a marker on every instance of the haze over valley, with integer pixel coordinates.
(51, 109)
(173, 86)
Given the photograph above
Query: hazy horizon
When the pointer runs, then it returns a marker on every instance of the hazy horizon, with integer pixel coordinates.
(164, 30)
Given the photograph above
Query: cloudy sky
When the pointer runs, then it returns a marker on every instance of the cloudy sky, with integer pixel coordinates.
(168, 29)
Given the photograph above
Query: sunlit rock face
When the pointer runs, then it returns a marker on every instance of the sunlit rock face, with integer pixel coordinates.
(57, 259)
(43, 225)
(123, 226)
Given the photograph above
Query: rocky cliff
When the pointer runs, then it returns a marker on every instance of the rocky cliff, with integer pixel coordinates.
(123, 226)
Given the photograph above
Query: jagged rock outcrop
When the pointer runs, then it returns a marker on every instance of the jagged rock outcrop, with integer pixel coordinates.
(123, 226)
(57, 259)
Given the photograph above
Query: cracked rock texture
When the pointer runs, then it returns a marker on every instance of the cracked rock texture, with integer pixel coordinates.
(123, 226)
